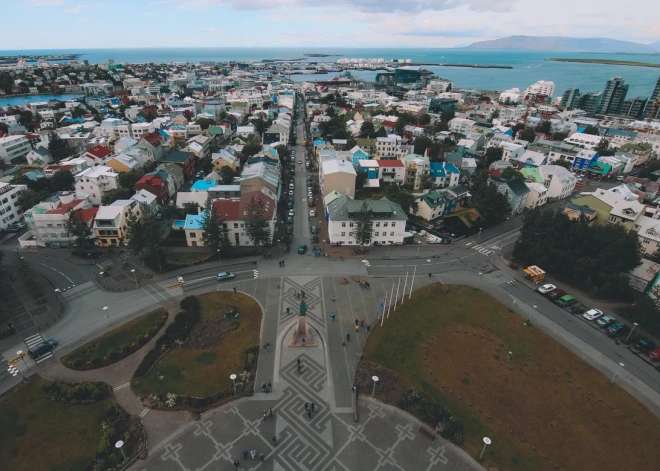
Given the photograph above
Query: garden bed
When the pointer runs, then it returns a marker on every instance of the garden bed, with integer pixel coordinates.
(543, 407)
(116, 344)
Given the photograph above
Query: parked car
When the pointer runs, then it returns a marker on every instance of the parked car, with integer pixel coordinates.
(289, 220)
(290, 192)
(620, 178)
(644, 345)
(605, 321)
(310, 202)
(617, 329)
(566, 300)
(225, 275)
(655, 354)
(299, 161)
(592, 314)
(290, 204)
(556, 294)
(41, 349)
(289, 229)
(545, 289)
(290, 186)
(291, 213)
(312, 213)
(315, 230)
(302, 249)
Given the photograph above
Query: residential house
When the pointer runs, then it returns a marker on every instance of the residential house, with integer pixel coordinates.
(125, 162)
(146, 198)
(469, 165)
(577, 211)
(276, 133)
(199, 145)
(156, 186)
(514, 189)
(225, 158)
(391, 171)
(96, 155)
(245, 131)
(185, 160)
(417, 168)
(512, 151)
(39, 156)
(464, 222)
(585, 141)
(444, 174)
(641, 151)
(386, 146)
(532, 159)
(124, 143)
(10, 209)
(617, 205)
(431, 206)
(73, 165)
(337, 175)
(584, 159)
(258, 175)
(368, 146)
(459, 194)
(96, 182)
(46, 221)
(154, 145)
(111, 222)
(389, 221)
(538, 195)
(174, 176)
(358, 154)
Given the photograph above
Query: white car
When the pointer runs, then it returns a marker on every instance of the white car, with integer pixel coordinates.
(312, 213)
(291, 213)
(299, 161)
(592, 314)
(545, 289)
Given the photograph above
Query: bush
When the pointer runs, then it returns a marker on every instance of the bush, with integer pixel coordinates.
(125, 349)
(113, 355)
(151, 331)
(141, 339)
(77, 363)
(79, 393)
(96, 360)
(190, 303)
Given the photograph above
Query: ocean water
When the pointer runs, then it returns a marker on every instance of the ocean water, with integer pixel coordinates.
(528, 66)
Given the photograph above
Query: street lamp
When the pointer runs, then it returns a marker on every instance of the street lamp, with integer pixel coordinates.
(218, 258)
(20, 354)
(505, 223)
(479, 282)
(479, 237)
(120, 445)
(621, 365)
(373, 391)
(635, 324)
(486, 443)
(105, 309)
(233, 382)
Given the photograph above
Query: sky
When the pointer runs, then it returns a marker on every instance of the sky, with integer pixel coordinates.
(60, 24)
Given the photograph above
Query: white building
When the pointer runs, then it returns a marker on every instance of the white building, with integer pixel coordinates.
(586, 141)
(541, 87)
(96, 181)
(512, 96)
(460, 125)
(537, 196)
(14, 148)
(559, 181)
(10, 210)
(511, 151)
(388, 228)
(386, 146)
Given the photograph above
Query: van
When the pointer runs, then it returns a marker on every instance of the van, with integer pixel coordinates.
(566, 301)
(41, 349)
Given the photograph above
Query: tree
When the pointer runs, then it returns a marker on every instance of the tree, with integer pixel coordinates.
(593, 130)
(425, 119)
(116, 194)
(29, 198)
(25, 118)
(129, 179)
(408, 202)
(559, 136)
(62, 180)
(227, 175)
(360, 180)
(257, 228)
(190, 208)
(493, 154)
(528, 134)
(382, 132)
(603, 148)
(57, 147)
(4, 128)
(260, 125)
(144, 236)
(78, 228)
(491, 204)
(215, 232)
(563, 163)
(205, 123)
(447, 116)
(510, 173)
(364, 224)
(283, 152)
(367, 129)
(421, 143)
(78, 112)
(544, 127)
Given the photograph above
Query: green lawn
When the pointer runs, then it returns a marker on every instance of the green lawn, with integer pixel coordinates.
(187, 258)
(453, 346)
(116, 339)
(204, 372)
(38, 434)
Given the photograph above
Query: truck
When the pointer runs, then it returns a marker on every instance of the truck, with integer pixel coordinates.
(534, 273)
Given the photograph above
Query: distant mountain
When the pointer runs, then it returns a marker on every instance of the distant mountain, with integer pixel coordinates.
(558, 43)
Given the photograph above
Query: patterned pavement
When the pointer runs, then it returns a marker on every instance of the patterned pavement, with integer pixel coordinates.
(384, 438)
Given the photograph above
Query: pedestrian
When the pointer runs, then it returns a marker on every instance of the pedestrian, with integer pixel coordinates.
(269, 388)
(300, 370)
(306, 406)
(356, 322)
(287, 310)
(263, 387)
(309, 414)
(234, 289)
(264, 414)
(332, 316)
(274, 440)
(362, 323)
(298, 361)
(237, 464)
(266, 348)
(313, 407)
(278, 286)
(245, 454)
(253, 454)
(356, 328)
(270, 413)
(261, 457)
(348, 337)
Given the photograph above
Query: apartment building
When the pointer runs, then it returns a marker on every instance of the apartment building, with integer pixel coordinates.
(96, 182)
(13, 149)
(111, 222)
(417, 167)
(337, 175)
(10, 210)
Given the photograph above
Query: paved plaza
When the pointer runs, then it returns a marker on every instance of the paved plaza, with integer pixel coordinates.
(384, 438)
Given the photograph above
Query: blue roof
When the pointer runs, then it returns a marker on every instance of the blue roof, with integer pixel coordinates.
(202, 185)
(34, 175)
(193, 222)
(319, 142)
(437, 169)
(451, 168)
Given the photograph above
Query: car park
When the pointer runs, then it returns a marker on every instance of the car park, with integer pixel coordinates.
(556, 294)
(225, 275)
(606, 321)
(41, 349)
(314, 229)
(592, 314)
(566, 300)
(617, 329)
(644, 345)
(655, 354)
(302, 249)
(545, 289)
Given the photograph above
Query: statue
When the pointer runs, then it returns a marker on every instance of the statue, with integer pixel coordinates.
(301, 334)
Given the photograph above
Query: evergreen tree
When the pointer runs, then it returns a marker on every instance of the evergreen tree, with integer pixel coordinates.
(77, 227)
(364, 225)
(215, 232)
(256, 223)
(57, 147)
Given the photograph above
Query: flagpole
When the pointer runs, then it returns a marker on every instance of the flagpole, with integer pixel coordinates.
(389, 306)
(403, 296)
(397, 294)
(382, 317)
(412, 282)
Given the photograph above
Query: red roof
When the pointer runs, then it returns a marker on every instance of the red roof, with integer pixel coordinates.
(390, 163)
(153, 138)
(389, 124)
(230, 210)
(87, 214)
(63, 208)
(247, 197)
(154, 180)
(59, 167)
(31, 136)
(99, 152)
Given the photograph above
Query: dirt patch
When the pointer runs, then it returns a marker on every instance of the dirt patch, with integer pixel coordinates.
(390, 388)
(211, 332)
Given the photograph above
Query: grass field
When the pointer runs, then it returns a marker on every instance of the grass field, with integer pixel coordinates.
(116, 339)
(203, 372)
(38, 434)
(543, 408)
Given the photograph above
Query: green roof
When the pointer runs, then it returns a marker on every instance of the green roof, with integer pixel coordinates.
(468, 216)
(532, 173)
(214, 130)
(433, 199)
(600, 168)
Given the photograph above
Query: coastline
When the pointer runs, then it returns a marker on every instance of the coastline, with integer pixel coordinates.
(605, 62)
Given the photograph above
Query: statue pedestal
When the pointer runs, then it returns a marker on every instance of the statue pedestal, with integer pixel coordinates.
(301, 332)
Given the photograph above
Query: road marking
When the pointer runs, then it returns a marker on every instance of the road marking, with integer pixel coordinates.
(464, 257)
(33, 340)
(396, 265)
(45, 357)
(455, 260)
(468, 244)
(48, 266)
(122, 386)
(144, 412)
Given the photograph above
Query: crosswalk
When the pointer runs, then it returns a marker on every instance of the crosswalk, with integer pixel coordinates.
(486, 250)
(35, 340)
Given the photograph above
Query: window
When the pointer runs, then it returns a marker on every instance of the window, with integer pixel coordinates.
(384, 224)
(643, 250)
(350, 224)
(392, 234)
(376, 234)
(235, 225)
(612, 219)
(193, 235)
(377, 224)
(350, 242)
(393, 224)
(647, 241)
(343, 234)
(343, 224)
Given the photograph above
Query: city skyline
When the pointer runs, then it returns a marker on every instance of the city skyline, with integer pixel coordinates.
(284, 23)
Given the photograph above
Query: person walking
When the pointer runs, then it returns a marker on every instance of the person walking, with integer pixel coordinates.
(357, 327)
(261, 457)
(299, 369)
(309, 414)
(245, 454)
(348, 337)
(356, 322)
(266, 347)
(332, 316)
(313, 407)
(253, 454)
(298, 361)
(362, 323)
(274, 440)
(306, 406)
(270, 413)
(237, 464)
(265, 415)
(234, 289)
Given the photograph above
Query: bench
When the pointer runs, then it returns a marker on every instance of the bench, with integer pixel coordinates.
(427, 431)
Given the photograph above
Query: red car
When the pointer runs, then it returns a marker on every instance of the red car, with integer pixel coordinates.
(655, 354)
(556, 294)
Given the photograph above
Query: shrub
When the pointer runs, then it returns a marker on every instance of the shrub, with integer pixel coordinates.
(113, 355)
(77, 363)
(141, 339)
(125, 349)
(190, 303)
(250, 359)
(151, 331)
(96, 360)
(79, 393)
(160, 324)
